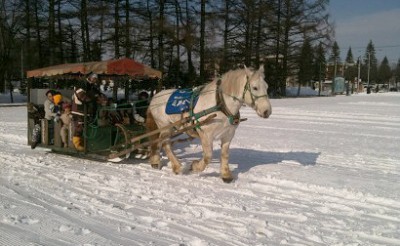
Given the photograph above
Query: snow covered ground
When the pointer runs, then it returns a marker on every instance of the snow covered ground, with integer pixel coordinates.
(320, 171)
(5, 99)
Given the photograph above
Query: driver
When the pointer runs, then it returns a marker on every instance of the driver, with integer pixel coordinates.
(85, 94)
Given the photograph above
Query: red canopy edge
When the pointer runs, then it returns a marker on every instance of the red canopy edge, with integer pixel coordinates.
(123, 66)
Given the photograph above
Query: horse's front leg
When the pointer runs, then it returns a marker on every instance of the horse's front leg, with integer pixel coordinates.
(175, 163)
(226, 173)
(206, 143)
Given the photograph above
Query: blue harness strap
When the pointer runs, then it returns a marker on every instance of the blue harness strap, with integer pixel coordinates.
(184, 100)
(181, 100)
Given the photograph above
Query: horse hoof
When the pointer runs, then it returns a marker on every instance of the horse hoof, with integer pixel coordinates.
(155, 166)
(227, 180)
(194, 167)
(176, 170)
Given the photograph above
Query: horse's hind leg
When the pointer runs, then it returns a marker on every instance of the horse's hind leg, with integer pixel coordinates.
(226, 173)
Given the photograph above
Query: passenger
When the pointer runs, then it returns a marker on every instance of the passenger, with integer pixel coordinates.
(102, 116)
(141, 107)
(51, 108)
(85, 94)
(140, 117)
(125, 112)
(49, 105)
(58, 101)
(66, 119)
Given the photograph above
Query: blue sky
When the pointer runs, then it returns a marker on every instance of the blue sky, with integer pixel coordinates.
(358, 21)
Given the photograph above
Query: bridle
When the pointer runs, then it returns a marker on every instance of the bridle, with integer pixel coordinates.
(235, 119)
(253, 97)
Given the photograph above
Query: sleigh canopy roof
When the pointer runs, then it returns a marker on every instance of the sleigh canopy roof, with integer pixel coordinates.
(126, 66)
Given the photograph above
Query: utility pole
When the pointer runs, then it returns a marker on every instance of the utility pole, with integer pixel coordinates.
(358, 74)
(319, 78)
(369, 68)
(334, 77)
(22, 63)
(277, 52)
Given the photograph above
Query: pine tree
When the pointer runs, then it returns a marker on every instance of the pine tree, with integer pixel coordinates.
(371, 64)
(320, 66)
(335, 53)
(349, 57)
(350, 68)
(384, 71)
(334, 58)
(305, 62)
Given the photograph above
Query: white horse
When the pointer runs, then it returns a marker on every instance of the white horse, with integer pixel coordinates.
(225, 96)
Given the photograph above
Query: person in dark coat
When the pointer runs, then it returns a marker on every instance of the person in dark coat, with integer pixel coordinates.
(85, 94)
(36, 113)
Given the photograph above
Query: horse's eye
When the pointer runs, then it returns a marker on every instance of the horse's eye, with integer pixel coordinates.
(255, 88)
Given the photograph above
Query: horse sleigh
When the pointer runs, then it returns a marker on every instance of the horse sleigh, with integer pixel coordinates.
(209, 113)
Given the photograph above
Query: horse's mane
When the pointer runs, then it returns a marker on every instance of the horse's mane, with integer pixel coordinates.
(233, 81)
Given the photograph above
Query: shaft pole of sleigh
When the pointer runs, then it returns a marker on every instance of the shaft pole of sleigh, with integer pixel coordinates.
(173, 134)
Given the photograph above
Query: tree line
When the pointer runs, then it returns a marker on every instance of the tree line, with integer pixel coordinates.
(190, 41)
(366, 66)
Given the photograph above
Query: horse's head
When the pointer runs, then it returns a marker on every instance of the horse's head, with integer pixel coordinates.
(256, 92)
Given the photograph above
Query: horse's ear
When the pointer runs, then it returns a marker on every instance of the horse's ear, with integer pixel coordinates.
(248, 71)
(261, 69)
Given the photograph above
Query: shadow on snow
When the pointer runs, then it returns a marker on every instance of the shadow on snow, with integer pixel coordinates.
(248, 158)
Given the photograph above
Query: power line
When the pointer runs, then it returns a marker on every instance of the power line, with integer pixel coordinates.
(376, 47)
(388, 46)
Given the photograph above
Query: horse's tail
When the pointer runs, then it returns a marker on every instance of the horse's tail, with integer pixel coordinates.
(154, 151)
(150, 122)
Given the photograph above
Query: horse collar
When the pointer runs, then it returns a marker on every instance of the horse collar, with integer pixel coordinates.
(233, 119)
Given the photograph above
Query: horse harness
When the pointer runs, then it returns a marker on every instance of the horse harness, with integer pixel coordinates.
(234, 119)
(220, 106)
